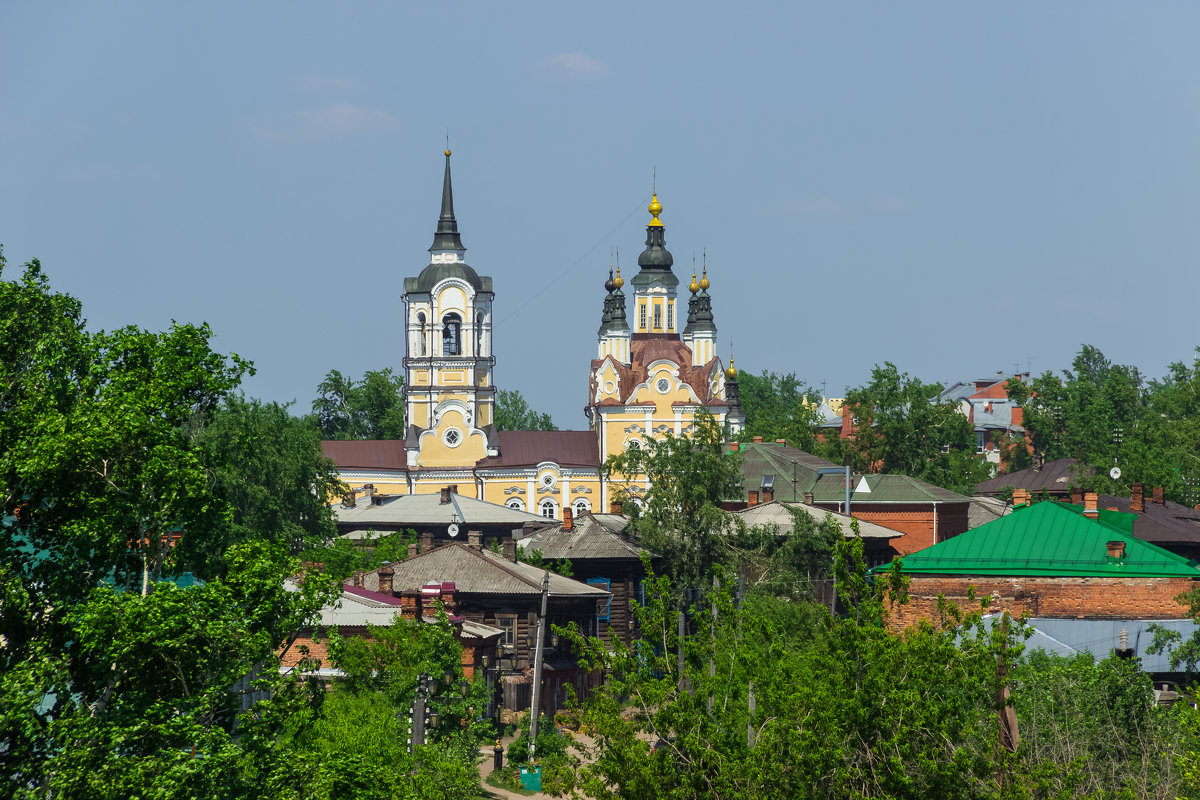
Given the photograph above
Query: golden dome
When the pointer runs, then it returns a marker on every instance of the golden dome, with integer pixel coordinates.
(618, 281)
(694, 287)
(704, 284)
(731, 373)
(655, 208)
(447, 151)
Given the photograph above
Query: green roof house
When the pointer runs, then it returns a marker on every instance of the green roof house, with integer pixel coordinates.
(1050, 560)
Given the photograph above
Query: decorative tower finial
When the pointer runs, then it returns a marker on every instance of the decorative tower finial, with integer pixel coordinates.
(731, 373)
(655, 208)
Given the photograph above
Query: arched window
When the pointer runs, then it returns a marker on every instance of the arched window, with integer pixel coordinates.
(633, 444)
(516, 504)
(581, 505)
(422, 347)
(549, 509)
(452, 335)
(479, 334)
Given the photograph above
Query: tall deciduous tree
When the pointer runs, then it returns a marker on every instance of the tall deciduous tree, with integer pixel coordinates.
(779, 407)
(372, 408)
(116, 669)
(679, 517)
(513, 413)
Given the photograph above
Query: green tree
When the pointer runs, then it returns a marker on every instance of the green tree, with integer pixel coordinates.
(901, 427)
(372, 408)
(679, 517)
(513, 413)
(779, 407)
(131, 603)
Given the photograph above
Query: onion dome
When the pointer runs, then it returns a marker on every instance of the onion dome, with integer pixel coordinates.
(618, 281)
(694, 287)
(655, 208)
(704, 284)
(610, 284)
(731, 373)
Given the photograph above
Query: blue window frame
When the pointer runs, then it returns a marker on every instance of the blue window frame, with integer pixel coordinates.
(606, 585)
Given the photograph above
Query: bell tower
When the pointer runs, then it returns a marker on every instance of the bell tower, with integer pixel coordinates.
(449, 392)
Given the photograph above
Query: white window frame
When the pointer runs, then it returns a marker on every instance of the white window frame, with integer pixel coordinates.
(657, 317)
(548, 505)
(515, 503)
(581, 505)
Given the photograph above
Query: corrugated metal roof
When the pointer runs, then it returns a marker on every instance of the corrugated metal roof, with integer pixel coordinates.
(1100, 637)
(1055, 476)
(1169, 523)
(477, 572)
(588, 538)
(779, 514)
(428, 509)
(796, 472)
(1047, 539)
(387, 454)
(529, 448)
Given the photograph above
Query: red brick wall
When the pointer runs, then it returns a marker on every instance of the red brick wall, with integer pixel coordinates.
(316, 649)
(1073, 598)
(916, 522)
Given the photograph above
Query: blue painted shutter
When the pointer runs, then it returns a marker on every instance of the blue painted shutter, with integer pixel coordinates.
(605, 584)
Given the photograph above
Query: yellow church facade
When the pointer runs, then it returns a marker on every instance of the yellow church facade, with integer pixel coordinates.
(648, 380)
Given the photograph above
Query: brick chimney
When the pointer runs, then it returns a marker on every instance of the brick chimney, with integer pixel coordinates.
(568, 519)
(753, 500)
(1020, 498)
(1115, 549)
(410, 604)
(1077, 497)
(781, 442)
(1137, 503)
(1089, 506)
(475, 540)
(614, 507)
(358, 578)
(735, 446)
(758, 440)
(809, 497)
(430, 594)
(454, 488)
(412, 549)
(1158, 496)
(448, 597)
(509, 548)
(445, 495)
(426, 542)
(385, 580)
(768, 495)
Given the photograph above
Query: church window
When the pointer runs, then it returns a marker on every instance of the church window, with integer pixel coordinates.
(452, 437)
(452, 335)
(663, 385)
(422, 348)
(657, 317)
(549, 509)
(515, 504)
(670, 316)
(642, 316)
(479, 334)
(633, 444)
(581, 506)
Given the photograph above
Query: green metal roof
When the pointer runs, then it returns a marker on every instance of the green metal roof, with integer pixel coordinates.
(795, 473)
(1049, 539)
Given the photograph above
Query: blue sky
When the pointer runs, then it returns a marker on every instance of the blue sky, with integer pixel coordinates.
(957, 188)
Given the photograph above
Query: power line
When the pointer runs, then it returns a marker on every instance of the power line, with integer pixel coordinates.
(573, 265)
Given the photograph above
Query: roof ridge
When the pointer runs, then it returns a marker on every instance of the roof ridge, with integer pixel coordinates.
(502, 563)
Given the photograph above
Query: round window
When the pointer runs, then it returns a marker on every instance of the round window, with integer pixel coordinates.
(547, 480)
(663, 385)
(452, 437)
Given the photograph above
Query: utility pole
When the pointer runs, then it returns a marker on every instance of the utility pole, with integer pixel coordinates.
(537, 667)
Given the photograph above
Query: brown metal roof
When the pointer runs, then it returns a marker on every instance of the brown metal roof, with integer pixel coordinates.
(1166, 524)
(529, 448)
(1056, 477)
(477, 572)
(366, 453)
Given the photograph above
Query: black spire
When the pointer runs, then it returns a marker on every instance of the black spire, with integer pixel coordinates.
(447, 237)
(655, 261)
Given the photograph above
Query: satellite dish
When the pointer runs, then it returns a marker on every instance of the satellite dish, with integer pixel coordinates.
(453, 529)
(1114, 473)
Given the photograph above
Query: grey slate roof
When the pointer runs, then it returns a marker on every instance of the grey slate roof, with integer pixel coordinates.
(779, 514)
(1055, 476)
(984, 509)
(428, 509)
(590, 537)
(478, 572)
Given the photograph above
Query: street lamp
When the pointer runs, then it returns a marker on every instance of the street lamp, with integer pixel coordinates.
(464, 688)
